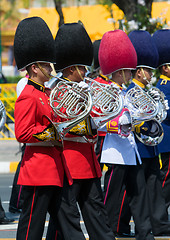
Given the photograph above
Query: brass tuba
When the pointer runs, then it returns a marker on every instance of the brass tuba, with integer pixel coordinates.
(143, 107)
(71, 102)
(107, 102)
(2, 115)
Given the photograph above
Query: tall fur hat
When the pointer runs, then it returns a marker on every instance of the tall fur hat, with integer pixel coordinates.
(116, 52)
(73, 46)
(96, 45)
(33, 42)
(145, 47)
(162, 41)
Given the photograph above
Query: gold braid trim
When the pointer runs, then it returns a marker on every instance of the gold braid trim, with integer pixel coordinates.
(83, 128)
(47, 135)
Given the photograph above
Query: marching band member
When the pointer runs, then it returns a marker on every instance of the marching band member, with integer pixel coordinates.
(74, 51)
(148, 57)
(16, 198)
(117, 56)
(99, 77)
(43, 168)
(161, 39)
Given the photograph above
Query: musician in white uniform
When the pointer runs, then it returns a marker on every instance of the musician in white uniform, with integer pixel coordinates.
(117, 56)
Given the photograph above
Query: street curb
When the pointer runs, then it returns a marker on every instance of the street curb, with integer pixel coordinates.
(8, 167)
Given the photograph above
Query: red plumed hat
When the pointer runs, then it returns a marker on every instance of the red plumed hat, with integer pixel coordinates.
(116, 52)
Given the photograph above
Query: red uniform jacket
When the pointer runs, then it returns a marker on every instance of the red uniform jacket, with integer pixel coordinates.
(40, 165)
(80, 156)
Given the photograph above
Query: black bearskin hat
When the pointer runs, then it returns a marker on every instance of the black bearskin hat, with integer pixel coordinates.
(33, 42)
(73, 46)
(96, 45)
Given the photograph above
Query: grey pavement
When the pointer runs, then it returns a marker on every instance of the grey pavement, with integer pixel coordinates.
(10, 155)
(10, 151)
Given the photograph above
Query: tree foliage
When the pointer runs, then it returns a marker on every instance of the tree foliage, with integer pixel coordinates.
(131, 7)
(9, 13)
(137, 15)
(143, 20)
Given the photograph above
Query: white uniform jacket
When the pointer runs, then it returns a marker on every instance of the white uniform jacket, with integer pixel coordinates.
(118, 150)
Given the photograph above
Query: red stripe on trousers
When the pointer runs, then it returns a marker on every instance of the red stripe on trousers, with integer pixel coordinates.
(30, 213)
(121, 210)
(166, 173)
(108, 186)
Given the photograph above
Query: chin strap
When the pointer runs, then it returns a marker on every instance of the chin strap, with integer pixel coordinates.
(145, 78)
(42, 70)
(77, 69)
(124, 78)
(168, 66)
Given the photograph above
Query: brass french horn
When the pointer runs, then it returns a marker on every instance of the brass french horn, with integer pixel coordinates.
(71, 103)
(143, 107)
(107, 102)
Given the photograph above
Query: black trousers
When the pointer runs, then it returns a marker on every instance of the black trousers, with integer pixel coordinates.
(165, 176)
(88, 194)
(37, 202)
(132, 179)
(158, 211)
(2, 212)
(98, 150)
(16, 198)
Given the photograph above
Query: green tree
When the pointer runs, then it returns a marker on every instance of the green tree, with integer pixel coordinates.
(137, 15)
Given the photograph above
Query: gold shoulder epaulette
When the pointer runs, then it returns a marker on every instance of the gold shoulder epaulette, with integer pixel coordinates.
(164, 82)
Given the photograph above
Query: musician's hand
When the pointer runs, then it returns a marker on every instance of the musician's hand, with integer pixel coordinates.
(166, 104)
(154, 94)
(125, 124)
(84, 86)
(114, 85)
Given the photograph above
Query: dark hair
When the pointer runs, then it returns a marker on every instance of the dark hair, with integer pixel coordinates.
(134, 72)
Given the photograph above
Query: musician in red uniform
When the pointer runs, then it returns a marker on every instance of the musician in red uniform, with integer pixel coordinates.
(99, 77)
(43, 168)
(74, 51)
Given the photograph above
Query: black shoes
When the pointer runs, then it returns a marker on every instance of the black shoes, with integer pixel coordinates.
(15, 210)
(162, 234)
(6, 220)
(124, 235)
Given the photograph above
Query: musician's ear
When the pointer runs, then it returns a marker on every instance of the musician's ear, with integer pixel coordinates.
(34, 68)
(119, 72)
(165, 68)
(139, 72)
(72, 69)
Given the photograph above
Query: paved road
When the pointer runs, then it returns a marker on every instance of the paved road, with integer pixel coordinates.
(10, 154)
(8, 231)
(10, 151)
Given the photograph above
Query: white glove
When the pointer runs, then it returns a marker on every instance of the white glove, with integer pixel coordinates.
(84, 86)
(166, 104)
(154, 94)
(125, 124)
(114, 85)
